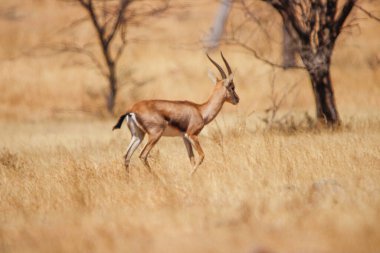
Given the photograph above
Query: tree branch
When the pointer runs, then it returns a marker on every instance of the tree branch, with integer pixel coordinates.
(118, 21)
(290, 12)
(236, 42)
(342, 17)
(287, 11)
(94, 19)
(330, 11)
(71, 47)
(369, 14)
(252, 16)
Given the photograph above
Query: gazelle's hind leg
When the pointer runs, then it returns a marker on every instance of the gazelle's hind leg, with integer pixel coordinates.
(153, 139)
(137, 138)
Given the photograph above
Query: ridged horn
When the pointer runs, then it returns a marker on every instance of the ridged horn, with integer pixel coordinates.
(222, 73)
(226, 63)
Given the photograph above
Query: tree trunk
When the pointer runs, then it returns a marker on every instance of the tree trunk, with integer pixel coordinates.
(326, 110)
(112, 89)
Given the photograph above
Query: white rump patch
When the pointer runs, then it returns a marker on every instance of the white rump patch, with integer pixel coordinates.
(131, 118)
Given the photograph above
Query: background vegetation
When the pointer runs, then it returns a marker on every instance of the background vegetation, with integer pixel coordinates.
(292, 188)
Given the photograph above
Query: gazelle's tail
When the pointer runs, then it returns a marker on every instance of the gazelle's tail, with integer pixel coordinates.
(120, 122)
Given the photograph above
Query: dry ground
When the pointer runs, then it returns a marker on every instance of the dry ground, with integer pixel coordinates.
(63, 187)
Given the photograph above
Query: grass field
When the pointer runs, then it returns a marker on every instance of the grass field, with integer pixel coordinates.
(64, 189)
(295, 188)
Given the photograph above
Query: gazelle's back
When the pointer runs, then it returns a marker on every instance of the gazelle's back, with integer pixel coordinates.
(179, 116)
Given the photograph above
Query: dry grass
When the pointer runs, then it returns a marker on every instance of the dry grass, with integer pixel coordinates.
(63, 187)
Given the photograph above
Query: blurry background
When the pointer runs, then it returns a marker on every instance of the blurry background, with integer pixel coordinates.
(63, 186)
(164, 58)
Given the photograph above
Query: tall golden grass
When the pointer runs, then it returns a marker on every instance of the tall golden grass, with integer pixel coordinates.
(63, 187)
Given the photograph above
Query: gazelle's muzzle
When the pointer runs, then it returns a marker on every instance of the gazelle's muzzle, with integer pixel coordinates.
(235, 99)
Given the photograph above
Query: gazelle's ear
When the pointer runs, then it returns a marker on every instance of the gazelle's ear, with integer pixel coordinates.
(212, 77)
(228, 79)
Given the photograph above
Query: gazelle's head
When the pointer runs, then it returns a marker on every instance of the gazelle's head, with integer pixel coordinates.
(226, 84)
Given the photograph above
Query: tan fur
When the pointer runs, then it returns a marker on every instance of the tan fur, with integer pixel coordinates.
(177, 118)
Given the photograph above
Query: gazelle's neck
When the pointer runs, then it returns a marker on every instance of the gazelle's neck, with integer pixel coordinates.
(213, 105)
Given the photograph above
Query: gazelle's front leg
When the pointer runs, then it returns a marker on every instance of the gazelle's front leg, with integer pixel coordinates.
(189, 150)
(195, 142)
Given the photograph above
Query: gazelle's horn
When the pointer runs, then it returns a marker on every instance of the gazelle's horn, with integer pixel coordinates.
(218, 67)
(226, 63)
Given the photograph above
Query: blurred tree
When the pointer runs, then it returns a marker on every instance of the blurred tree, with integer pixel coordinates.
(212, 39)
(310, 29)
(110, 19)
(316, 24)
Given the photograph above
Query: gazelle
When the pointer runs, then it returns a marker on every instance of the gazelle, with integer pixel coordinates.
(177, 118)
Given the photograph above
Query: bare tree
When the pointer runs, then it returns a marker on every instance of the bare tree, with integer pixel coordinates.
(110, 19)
(316, 24)
(313, 27)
